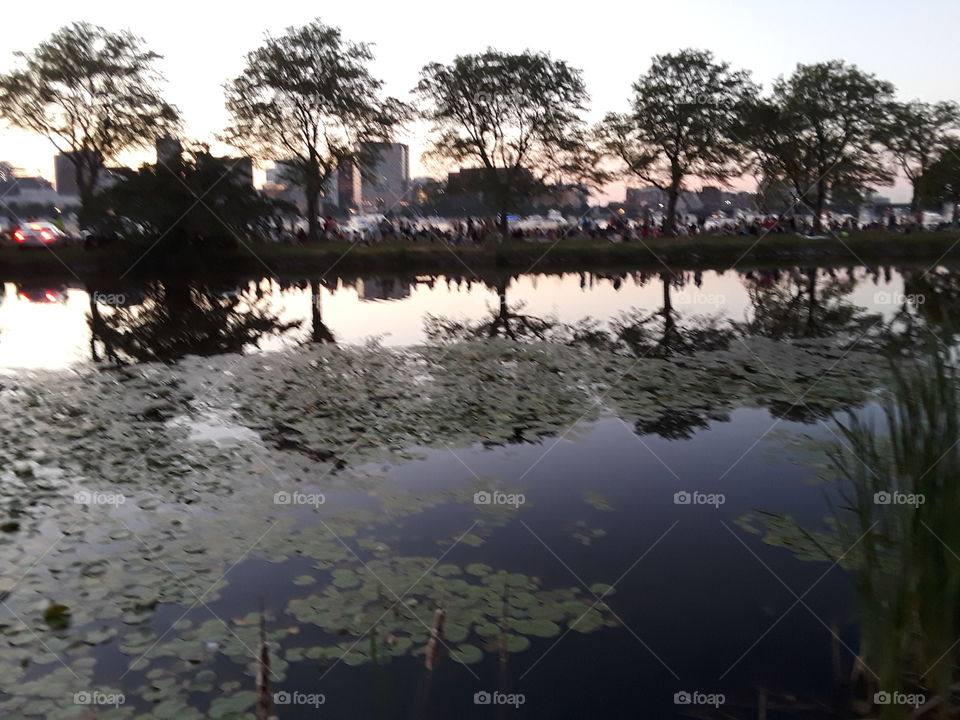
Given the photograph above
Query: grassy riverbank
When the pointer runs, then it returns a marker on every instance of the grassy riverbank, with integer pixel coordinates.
(578, 253)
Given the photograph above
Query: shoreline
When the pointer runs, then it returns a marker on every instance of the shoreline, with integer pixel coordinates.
(706, 252)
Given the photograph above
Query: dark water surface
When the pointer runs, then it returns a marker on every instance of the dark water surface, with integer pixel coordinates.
(600, 400)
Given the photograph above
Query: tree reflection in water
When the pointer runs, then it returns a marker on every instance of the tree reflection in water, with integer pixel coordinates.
(176, 318)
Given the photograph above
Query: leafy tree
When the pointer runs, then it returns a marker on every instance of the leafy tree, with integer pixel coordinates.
(194, 197)
(515, 117)
(93, 93)
(916, 134)
(307, 98)
(680, 124)
(940, 182)
(819, 129)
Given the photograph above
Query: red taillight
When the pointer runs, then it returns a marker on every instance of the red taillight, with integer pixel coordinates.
(51, 297)
(19, 236)
(47, 236)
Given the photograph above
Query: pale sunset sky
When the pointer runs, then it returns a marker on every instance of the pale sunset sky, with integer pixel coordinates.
(914, 45)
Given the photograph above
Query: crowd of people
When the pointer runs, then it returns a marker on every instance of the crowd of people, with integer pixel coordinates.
(615, 228)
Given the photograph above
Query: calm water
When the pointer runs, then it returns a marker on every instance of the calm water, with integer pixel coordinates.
(47, 327)
(377, 409)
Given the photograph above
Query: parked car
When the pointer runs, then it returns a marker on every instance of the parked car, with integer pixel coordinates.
(43, 295)
(38, 234)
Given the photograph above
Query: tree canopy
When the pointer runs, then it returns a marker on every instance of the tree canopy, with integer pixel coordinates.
(94, 93)
(515, 117)
(195, 198)
(917, 134)
(821, 128)
(680, 124)
(308, 98)
(940, 182)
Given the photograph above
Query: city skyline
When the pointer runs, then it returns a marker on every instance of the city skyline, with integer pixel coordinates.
(611, 55)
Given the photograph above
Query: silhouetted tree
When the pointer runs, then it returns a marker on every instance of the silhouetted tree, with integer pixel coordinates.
(193, 198)
(940, 183)
(93, 93)
(821, 128)
(307, 98)
(662, 333)
(503, 321)
(514, 117)
(917, 134)
(680, 124)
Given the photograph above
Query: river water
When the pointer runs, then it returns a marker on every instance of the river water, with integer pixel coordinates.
(564, 471)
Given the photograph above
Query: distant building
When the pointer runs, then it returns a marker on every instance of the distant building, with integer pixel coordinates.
(385, 185)
(467, 187)
(65, 170)
(563, 195)
(645, 197)
(21, 192)
(348, 186)
(240, 169)
(169, 150)
(279, 174)
(282, 184)
(712, 198)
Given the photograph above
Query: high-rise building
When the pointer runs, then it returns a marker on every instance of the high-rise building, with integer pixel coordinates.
(65, 170)
(348, 186)
(386, 182)
(240, 169)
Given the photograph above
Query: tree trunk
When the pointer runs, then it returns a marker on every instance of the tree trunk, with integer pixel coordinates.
(818, 206)
(86, 189)
(670, 222)
(313, 225)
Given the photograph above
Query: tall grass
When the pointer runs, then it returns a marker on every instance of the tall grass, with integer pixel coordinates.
(907, 550)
